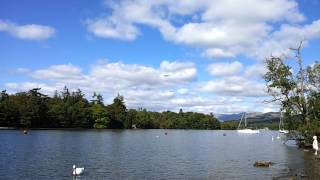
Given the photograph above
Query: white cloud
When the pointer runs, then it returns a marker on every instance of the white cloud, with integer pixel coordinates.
(169, 73)
(64, 71)
(217, 52)
(222, 28)
(255, 70)
(288, 36)
(224, 69)
(27, 32)
(234, 86)
(108, 29)
(148, 87)
(117, 76)
(25, 86)
(175, 66)
(253, 10)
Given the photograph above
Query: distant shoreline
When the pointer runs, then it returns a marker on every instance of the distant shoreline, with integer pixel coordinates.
(79, 128)
(21, 128)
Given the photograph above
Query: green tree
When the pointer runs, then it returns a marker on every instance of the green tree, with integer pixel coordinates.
(97, 99)
(131, 118)
(143, 120)
(117, 113)
(9, 112)
(32, 108)
(99, 116)
(284, 87)
(297, 90)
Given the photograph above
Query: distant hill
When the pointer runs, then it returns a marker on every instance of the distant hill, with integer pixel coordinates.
(228, 117)
(251, 117)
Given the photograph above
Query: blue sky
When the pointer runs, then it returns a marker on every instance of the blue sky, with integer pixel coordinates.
(204, 55)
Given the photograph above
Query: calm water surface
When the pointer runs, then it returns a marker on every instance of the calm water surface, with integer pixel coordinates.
(149, 154)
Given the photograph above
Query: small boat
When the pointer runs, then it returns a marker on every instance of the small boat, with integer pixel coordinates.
(246, 130)
(283, 131)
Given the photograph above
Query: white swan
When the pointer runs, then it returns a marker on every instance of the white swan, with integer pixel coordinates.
(77, 171)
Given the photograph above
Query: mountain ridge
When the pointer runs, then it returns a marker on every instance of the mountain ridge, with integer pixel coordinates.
(251, 117)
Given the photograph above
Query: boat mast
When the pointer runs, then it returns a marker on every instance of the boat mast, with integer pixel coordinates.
(245, 120)
(240, 121)
(281, 121)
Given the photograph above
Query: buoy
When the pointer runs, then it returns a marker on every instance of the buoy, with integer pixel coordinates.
(165, 133)
(224, 134)
(25, 131)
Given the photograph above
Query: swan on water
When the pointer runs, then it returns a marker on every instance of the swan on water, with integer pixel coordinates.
(77, 171)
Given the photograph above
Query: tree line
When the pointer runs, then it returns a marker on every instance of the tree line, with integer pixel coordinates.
(65, 109)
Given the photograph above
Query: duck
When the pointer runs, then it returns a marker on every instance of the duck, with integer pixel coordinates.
(77, 171)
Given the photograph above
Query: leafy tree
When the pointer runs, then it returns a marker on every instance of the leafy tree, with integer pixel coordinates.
(296, 91)
(32, 108)
(70, 109)
(9, 112)
(130, 119)
(143, 120)
(99, 115)
(97, 99)
(230, 125)
(287, 88)
(116, 113)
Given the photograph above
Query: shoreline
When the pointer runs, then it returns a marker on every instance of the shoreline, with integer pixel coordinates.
(79, 128)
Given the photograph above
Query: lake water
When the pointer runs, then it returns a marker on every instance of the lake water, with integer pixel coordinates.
(149, 154)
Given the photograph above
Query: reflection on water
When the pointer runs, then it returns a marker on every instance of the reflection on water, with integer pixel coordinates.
(311, 165)
(150, 154)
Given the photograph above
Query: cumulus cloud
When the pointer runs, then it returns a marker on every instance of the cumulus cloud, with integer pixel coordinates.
(108, 29)
(170, 86)
(217, 52)
(169, 73)
(224, 69)
(104, 76)
(63, 71)
(255, 70)
(234, 86)
(28, 31)
(221, 28)
(288, 36)
(45, 88)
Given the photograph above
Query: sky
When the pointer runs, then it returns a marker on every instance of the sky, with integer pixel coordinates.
(198, 55)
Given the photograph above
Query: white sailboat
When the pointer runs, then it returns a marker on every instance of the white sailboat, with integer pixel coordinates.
(281, 129)
(246, 130)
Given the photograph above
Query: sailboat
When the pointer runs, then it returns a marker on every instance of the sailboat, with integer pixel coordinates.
(281, 125)
(246, 130)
